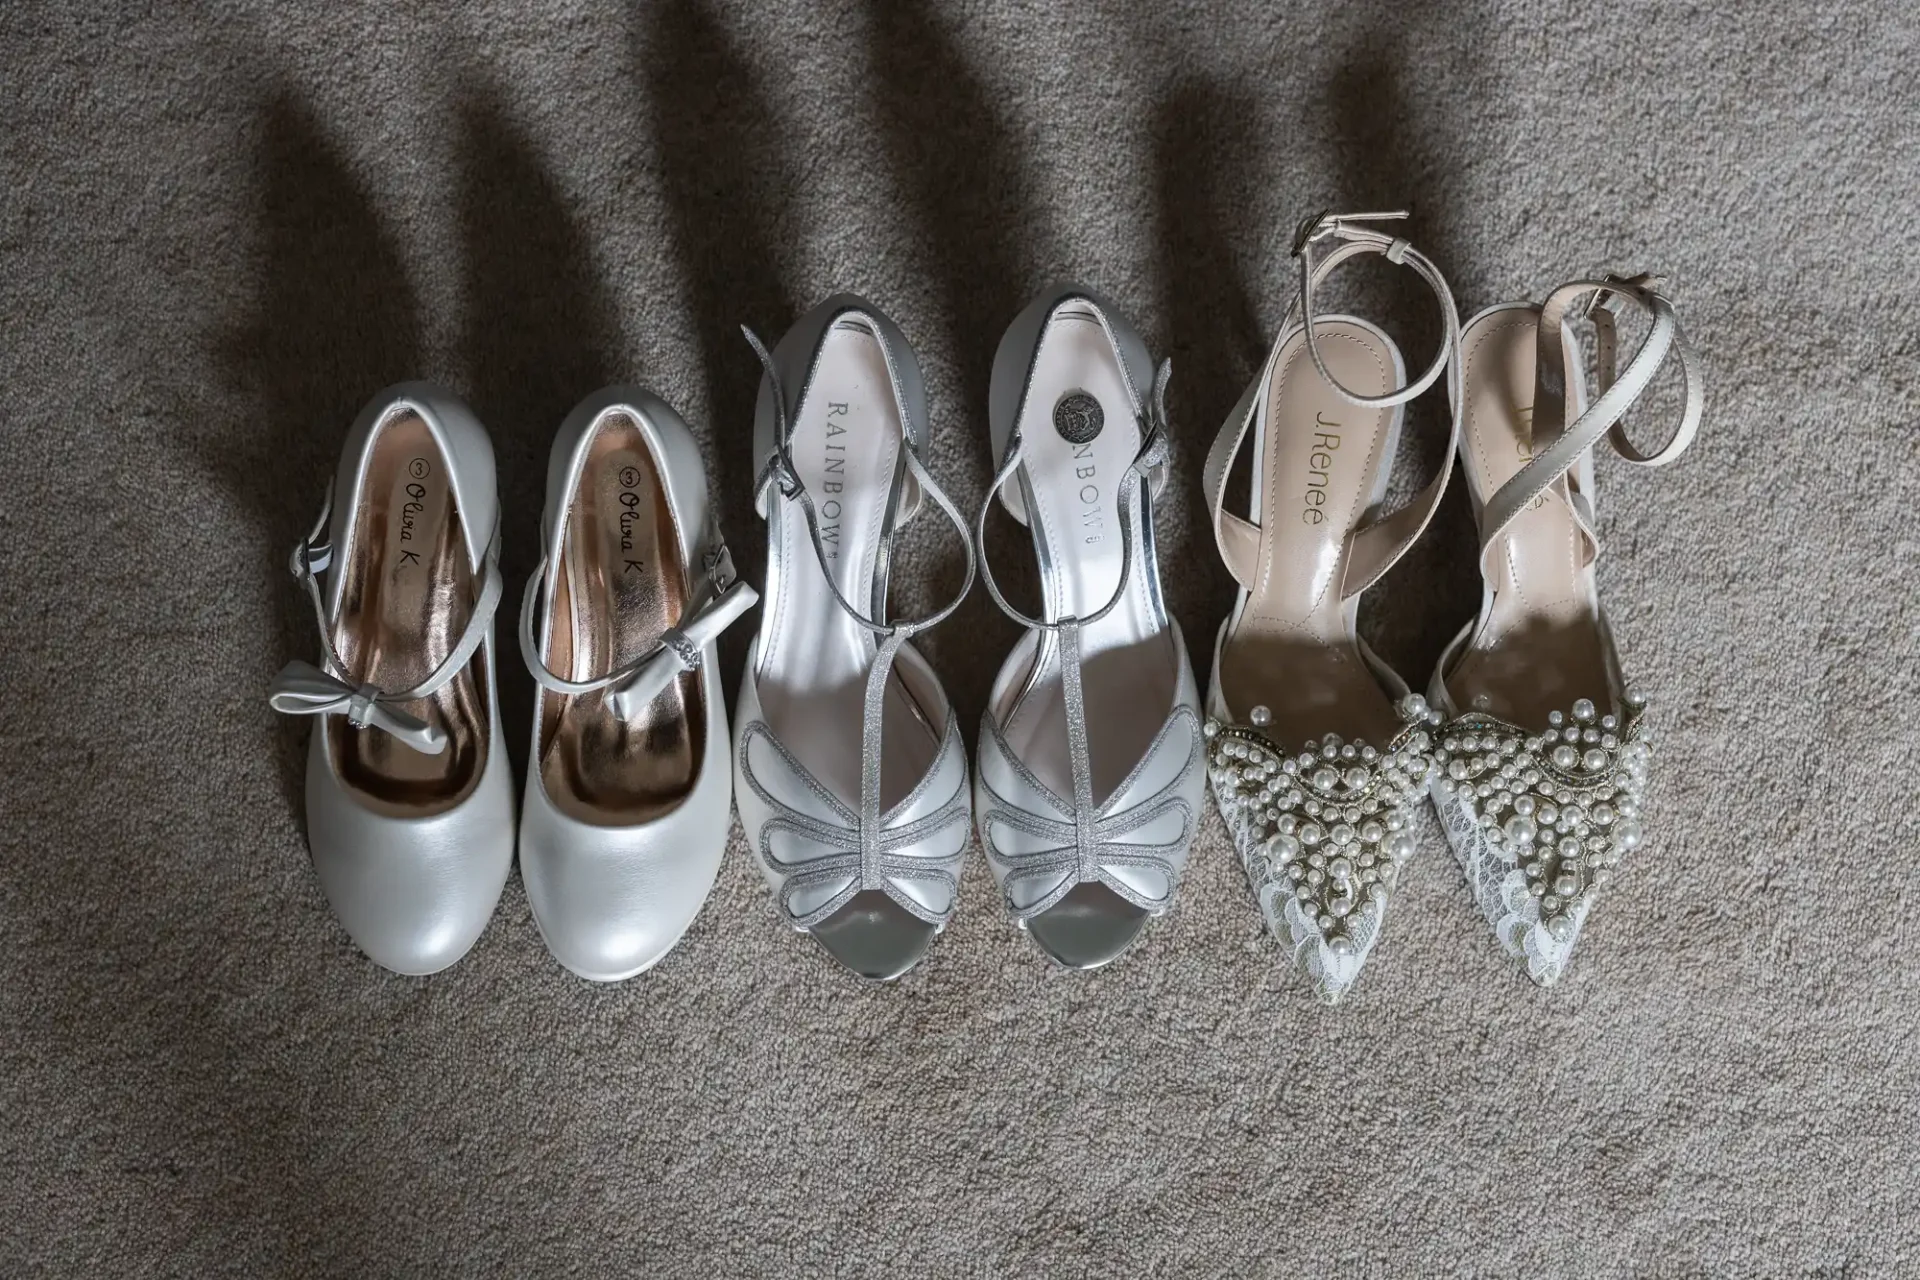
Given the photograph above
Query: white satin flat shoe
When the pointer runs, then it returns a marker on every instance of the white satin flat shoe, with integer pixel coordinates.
(1547, 754)
(409, 807)
(1090, 775)
(630, 790)
(851, 777)
(1317, 754)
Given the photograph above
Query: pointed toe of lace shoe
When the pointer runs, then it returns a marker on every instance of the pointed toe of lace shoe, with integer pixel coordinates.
(1540, 821)
(1323, 834)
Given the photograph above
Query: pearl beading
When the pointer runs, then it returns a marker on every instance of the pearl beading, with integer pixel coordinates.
(1322, 832)
(1541, 820)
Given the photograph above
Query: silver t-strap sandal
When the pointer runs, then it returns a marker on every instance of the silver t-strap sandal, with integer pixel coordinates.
(1090, 775)
(851, 780)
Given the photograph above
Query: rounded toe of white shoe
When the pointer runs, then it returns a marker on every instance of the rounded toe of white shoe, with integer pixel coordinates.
(610, 902)
(412, 911)
(610, 918)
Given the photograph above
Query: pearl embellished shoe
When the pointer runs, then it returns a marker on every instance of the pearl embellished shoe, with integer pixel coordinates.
(1316, 751)
(1546, 755)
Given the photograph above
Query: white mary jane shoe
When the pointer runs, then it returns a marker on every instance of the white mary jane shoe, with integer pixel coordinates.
(629, 792)
(852, 780)
(1547, 755)
(1090, 775)
(1317, 754)
(409, 807)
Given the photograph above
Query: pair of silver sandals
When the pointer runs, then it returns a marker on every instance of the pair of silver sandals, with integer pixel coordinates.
(846, 757)
(847, 763)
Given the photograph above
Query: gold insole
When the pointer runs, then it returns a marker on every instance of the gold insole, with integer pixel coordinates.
(619, 583)
(405, 600)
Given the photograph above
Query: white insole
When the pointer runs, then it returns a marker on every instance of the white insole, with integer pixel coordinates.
(814, 659)
(1073, 493)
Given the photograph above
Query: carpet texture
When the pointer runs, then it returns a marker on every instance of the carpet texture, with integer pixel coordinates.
(223, 227)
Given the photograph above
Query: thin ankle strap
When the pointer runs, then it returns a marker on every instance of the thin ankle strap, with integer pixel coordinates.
(779, 472)
(1373, 549)
(1559, 446)
(1150, 461)
(1358, 240)
(302, 689)
(719, 600)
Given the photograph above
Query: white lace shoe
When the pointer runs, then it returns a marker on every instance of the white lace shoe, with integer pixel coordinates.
(409, 802)
(1546, 753)
(1090, 775)
(629, 791)
(1317, 753)
(852, 780)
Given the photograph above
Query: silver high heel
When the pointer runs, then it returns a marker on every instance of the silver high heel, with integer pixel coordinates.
(851, 780)
(1090, 775)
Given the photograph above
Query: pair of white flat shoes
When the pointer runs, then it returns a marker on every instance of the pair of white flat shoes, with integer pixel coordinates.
(410, 813)
(852, 778)
(1527, 740)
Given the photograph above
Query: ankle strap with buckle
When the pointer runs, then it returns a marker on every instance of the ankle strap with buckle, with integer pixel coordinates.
(302, 689)
(1557, 445)
(1373, 549)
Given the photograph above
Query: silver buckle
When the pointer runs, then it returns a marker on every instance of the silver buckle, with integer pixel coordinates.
(1327, 223)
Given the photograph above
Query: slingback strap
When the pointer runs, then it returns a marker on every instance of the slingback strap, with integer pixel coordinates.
(874, 845)
(1373, 549)
(1557, 447)
(720, 599)
(302, 689)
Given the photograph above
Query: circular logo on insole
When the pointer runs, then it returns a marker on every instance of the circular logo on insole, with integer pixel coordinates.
(629, 477)
(418, 468)
(1077, 417)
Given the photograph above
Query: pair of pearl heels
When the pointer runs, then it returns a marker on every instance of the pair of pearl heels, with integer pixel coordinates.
(1526, 739)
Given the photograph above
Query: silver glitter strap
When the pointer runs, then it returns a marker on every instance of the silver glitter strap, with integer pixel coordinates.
(872, 846)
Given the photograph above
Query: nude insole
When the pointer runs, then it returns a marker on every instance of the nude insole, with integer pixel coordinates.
(405, 598)
(814, 659)
(1541, 647)
(619, 583)
(1320, 467)
(1080, 431)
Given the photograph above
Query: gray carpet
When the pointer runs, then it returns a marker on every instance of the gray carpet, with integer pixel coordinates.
(223, 227)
